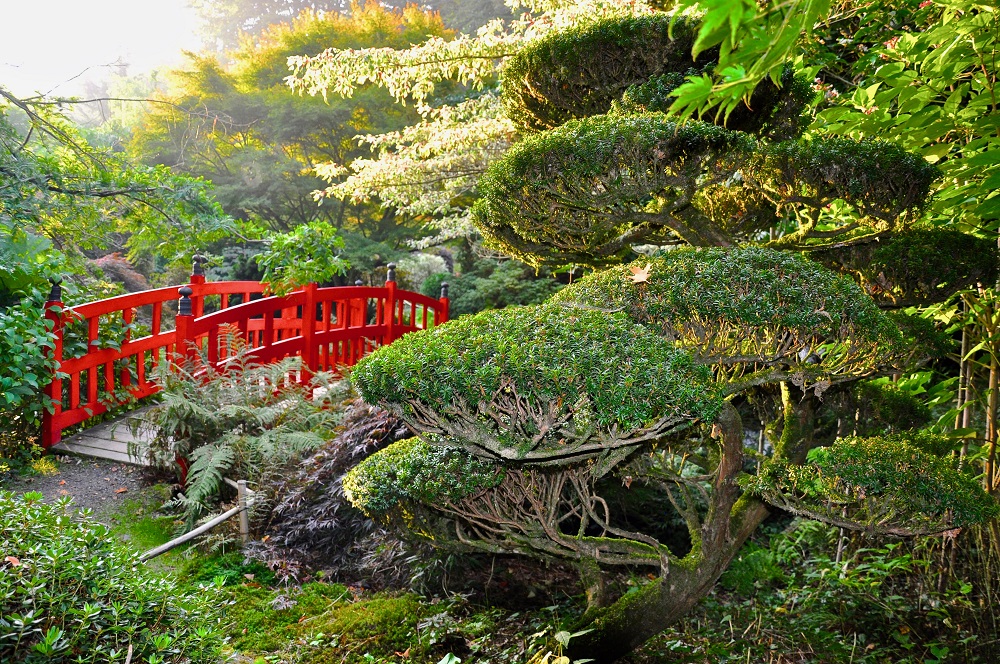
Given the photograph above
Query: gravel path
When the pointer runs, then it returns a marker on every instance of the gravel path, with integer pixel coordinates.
(93, 483)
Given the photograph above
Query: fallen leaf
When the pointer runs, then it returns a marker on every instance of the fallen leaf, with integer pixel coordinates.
(121, 490)
(107, 479)
(63, 492)
(248, 577)
(405, 654)
(61, 482)
(640, 275)
(14, 562)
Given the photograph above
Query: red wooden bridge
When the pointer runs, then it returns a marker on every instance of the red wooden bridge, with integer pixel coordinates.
(106, 351)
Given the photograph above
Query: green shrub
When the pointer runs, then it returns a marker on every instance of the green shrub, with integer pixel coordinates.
(310, 253)
(411, 472)
(885, 484)
(492, 285)
(70, 592)
(26, 343)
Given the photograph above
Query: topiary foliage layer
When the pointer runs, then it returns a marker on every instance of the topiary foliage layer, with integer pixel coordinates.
(880, 180)
(885, 485)
(588, 191)
(542, 384)
(445, 494)
(591, 189)
(580, 72)
(751, 310)
(918, 266)
(411, 472)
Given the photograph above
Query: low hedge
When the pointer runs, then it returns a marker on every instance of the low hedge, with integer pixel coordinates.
(71, 592)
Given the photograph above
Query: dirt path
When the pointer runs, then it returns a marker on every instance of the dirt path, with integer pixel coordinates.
(92, 483)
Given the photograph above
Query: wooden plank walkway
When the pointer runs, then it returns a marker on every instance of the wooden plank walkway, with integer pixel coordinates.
(108, 440)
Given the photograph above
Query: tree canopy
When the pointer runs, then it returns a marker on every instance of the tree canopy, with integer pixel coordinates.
(606, 157)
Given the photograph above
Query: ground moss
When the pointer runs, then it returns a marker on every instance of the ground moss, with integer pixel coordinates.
(263, 621)
(381, 624)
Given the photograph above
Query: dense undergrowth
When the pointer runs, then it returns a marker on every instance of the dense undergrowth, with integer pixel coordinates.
(785, 599)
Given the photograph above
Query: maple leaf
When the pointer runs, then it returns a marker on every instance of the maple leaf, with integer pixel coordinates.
(640, 275)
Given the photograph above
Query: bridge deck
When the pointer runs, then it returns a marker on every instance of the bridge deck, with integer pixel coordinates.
(108, 440)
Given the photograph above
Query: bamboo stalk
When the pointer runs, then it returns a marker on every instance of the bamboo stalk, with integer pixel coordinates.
(245, 500)
(187, 537)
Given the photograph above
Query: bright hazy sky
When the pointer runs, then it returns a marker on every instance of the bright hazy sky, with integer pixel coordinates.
(44, 43)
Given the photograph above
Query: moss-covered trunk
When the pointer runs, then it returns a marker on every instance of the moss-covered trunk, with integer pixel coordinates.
(636, 617)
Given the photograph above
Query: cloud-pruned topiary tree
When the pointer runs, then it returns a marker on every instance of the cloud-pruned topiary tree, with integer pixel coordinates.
(639, 374)
(642, 376)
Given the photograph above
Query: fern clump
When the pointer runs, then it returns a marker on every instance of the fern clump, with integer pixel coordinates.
(242, 420)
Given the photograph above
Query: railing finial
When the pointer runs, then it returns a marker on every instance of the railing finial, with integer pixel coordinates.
(55, 295)
(184, 306)
(390, 275)
(444, 289)
(198, 265)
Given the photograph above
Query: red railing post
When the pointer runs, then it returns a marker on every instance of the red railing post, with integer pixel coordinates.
(310, 352)
(51, 433)
(357, 315)
(198, 277)
(444, 305)
(184, 348)
(389, 311)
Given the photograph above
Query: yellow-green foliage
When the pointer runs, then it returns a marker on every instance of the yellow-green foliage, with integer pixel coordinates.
(45, 466)
(411, 472)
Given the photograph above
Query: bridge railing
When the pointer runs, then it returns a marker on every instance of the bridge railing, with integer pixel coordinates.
(102, 362)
